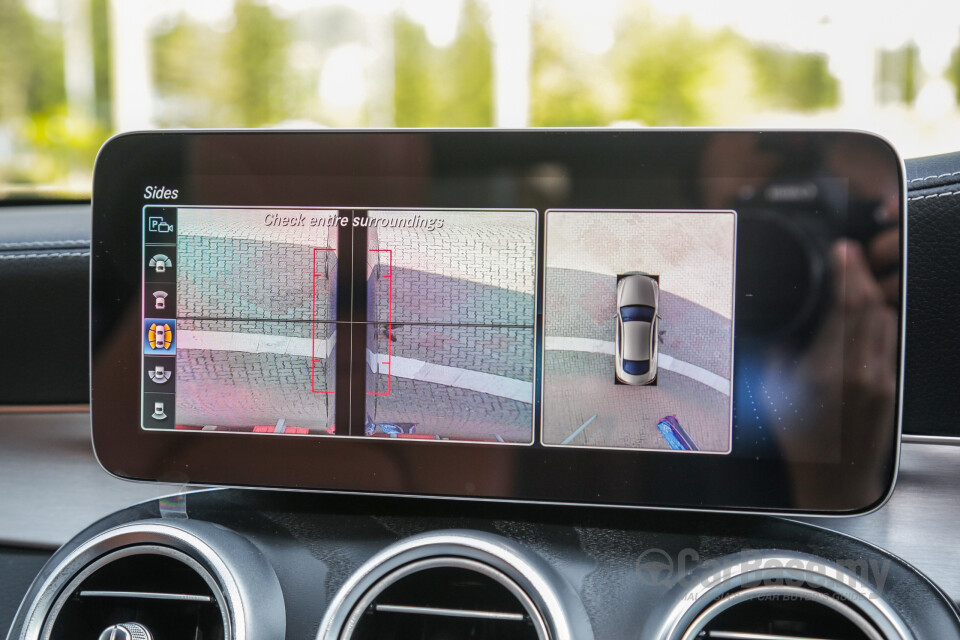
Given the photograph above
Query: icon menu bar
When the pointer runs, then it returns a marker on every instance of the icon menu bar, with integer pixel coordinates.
(159, 317)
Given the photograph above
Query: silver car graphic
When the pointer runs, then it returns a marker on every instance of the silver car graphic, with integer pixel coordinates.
(638, 305)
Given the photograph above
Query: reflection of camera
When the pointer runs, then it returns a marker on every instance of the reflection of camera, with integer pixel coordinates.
(785, 231)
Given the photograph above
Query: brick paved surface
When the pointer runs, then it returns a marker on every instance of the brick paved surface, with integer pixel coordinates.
(452, 412)
(423, 297)
(627, 416)
(251, 224)
(471, 271)
(232, 278)
(497, 350)
(285, 329)
(479, 268)
(693, 253)
(238, 389)
(496, 248)
(693, 256)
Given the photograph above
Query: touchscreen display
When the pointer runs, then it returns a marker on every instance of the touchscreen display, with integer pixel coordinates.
(347, 322)
(697, 319)
(287, 320)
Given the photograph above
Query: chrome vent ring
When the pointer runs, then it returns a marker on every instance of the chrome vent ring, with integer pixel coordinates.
(545, 600)
(771, 575)
(236, 572)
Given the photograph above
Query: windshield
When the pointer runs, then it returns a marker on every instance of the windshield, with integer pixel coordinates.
(74, 73)
(636, 367)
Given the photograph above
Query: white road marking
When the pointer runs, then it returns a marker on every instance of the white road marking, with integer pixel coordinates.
(580, 429)
(489, 383)
(412, 369)
(669, 363)
(254, 343)
(557, 343)
(409, 368)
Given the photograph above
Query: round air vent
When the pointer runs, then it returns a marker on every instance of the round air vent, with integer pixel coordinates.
(164, 591)
(445, 597)
(782, 612)
(152, 580)
(455, 584)
(779, 596)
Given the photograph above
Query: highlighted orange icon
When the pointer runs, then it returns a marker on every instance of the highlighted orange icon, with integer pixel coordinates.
(160, 336)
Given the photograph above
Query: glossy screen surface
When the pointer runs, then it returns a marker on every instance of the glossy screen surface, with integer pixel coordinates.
(685, 319)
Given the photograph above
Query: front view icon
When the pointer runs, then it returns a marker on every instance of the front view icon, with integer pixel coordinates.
(158, 411)
(160, 299)
(160, 263)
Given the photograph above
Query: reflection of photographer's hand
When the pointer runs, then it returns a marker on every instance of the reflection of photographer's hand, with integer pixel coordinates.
(884, 254)
(848, 372)
(870, 370)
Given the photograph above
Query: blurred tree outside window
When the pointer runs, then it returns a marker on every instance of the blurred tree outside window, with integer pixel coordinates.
(898, 75)
(417, 63)
(444, 87)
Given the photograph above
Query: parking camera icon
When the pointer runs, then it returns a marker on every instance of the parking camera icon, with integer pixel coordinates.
(157, 224)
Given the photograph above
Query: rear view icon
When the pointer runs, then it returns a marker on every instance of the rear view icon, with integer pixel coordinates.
(160, 263)
(158, 411)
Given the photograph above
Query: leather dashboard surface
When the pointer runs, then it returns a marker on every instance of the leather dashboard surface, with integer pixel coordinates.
(932, 366)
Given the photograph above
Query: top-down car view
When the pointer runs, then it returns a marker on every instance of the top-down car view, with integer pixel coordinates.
(638, 296)
(423, 320)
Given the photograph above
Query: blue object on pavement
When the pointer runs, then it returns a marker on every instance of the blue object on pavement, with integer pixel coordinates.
(674, 434)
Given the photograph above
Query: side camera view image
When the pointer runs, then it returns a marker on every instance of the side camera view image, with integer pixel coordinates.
(451, 306)
(638, 329)
(256, 292)
(398, 324)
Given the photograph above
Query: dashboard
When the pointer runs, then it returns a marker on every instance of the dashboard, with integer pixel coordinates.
(242, 563)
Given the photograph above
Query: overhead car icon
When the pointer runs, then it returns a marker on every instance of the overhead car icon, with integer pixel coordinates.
(160, 336)
(638, 302)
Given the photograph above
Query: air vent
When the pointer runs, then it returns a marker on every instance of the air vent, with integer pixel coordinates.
(445, 597)
(774, 595)
(164, 590)
(455, 584)
(156, 580)
(782, 613)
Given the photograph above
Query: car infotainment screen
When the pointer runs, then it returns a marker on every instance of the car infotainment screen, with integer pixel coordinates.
(682, 319)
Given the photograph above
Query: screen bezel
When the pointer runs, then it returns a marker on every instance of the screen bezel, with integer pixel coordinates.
(388, 168)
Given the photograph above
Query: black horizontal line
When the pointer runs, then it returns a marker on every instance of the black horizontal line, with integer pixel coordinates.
(447, 324)
(355, 322)
(225, 319)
